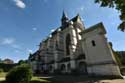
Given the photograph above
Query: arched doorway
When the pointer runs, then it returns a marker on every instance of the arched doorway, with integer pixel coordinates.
(63, 68)
(82, 68)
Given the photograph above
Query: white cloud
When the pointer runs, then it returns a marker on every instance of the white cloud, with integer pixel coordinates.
(17, 51)
(7, 41)
(11, 42)
(82, 8)
(52, 30)
(20, 4)
(30, 51)
(34, 29)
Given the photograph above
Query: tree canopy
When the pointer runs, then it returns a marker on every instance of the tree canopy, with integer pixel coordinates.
(118, 5)
(22, 62)
(0, 60)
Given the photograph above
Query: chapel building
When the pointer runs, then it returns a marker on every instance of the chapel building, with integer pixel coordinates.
(72, 47)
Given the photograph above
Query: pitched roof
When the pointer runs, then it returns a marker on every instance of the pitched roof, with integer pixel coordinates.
(75, 18)
(99, 25)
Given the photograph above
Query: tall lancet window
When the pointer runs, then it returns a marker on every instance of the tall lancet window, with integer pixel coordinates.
(68, 43)
(56, 45)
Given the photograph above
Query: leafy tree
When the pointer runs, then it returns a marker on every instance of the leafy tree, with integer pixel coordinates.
(118, 5)
(22, 62)
(0, 60)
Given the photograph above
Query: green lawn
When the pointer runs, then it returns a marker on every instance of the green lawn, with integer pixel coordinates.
(39, 80)
(2, 81)
(3, 74)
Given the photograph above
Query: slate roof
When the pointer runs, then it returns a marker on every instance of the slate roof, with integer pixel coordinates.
(99, 25)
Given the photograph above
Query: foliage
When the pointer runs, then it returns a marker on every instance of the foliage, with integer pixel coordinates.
(123, 61)
(19, 74)
(1, 70)
(0, 60)
(118, 5)
(7, 67)
(121, 58)
(22, 62)
(2, 74)
(117, 58)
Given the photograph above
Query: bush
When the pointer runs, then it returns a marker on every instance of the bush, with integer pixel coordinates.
(1, 70)
(19, 74)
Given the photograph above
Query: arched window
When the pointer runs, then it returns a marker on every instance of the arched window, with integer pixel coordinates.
(68, 43)
(93, 43)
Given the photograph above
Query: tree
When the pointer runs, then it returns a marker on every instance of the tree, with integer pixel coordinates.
(0, 60)
(22, 62)
(118, 5)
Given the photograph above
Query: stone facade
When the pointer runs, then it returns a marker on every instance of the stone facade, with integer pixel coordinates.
(72, 48)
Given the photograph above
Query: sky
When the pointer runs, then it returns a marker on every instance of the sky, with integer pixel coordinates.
(25, 23)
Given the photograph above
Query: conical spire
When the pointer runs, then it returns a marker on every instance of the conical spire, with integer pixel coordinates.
(64, 18)
(64, 15)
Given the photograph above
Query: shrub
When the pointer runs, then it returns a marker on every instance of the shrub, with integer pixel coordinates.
(1, 70)
(19, 74)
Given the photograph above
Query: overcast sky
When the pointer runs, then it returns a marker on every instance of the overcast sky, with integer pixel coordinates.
(24, 23)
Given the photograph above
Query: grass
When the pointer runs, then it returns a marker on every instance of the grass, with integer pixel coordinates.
(2, 74)
(33, 80)
(2, 81)
(39, 80)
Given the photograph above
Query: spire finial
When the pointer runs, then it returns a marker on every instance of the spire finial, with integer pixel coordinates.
(64, 14)
(78, 15)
